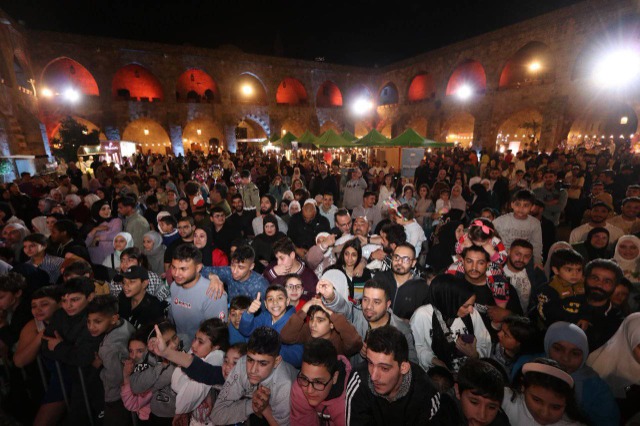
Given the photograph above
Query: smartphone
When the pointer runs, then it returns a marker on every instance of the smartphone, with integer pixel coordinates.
(467, 338)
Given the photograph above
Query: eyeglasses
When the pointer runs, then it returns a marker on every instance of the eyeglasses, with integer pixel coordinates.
(304, 382)
(403, 259)
(294, 287)
(219, 216)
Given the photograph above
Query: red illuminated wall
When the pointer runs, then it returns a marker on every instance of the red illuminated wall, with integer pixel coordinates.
(421, 88)
(470, 72)
(65, 72)
(197, 81)
(139, 81)
(329, 95)
(291, 91)
(516, 69)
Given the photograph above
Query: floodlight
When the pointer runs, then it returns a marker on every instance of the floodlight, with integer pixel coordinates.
(464, 92)
(617, 68)
(71, 95)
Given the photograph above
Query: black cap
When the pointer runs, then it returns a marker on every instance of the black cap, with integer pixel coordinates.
(136, 272)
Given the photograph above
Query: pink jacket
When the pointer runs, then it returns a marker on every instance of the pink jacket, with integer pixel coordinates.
(302, 414)
(138, 403)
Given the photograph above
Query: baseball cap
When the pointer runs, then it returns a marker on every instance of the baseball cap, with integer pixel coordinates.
(136, 272)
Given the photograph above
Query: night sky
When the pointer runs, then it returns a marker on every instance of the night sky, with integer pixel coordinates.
(364, 33)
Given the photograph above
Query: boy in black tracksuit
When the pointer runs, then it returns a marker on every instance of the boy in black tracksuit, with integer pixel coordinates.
(68, 341)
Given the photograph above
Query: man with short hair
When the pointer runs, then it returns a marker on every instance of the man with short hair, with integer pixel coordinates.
(554, 199)
(391, 388)
(547, 226)
(374, 312)
(136, 304)
(249, 192)
(599, 214)
(628, 221)
(305, 225)
(189, 304)
(63, 235)
(354, 190)
(289, 263)
(219, 198)
(391, 236)
(327, 209)
(324, 183)
(369, 209)
(222, 233)
(186, 229)
(239, 218)
(267, 206)
(238, 279)
(134, 223)
(525, 279)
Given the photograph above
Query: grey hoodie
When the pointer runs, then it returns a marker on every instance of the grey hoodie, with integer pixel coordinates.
(157, 377)
(355, 315)
(113, 349)
(234, 401)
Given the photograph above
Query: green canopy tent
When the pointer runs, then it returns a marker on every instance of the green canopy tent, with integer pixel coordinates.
(348, 136)
(285, 141)
(307, 140)
(408, 139)
(373, 139)
(331, 139)
(434, 144)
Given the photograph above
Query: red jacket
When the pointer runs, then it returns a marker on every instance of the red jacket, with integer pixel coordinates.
(302, 414)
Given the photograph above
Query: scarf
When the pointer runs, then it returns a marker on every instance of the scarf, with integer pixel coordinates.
(116, 253)
(95, 212)
(155, 256)
(402, 392)
(594, 252)
(630, 267)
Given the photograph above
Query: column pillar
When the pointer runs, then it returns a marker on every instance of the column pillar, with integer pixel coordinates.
(175, 134)
(230, 137)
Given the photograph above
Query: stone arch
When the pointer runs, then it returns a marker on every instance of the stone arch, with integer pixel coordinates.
(202, 134)
(419, 124)
(148, 134)
(291, 125)
(388, 95)
(329, 95)
(532, 64)
(523, 127)
(63, 73)
(458, 127)
(196, 85)
(135, 82)
(255, 129)
(249, 89)
(604, 120)
(54, 130)
(330, 125)
(291, 92)
(468, 73)
(421, 88)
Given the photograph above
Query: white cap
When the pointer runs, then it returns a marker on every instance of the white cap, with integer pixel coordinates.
(310, 201)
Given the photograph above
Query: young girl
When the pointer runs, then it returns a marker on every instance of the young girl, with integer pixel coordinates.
(545, 398)
(154, 374)
(482, 233)
(407, 196)
(122, 241)
(209, 344)
(137, 403)
(443, 205)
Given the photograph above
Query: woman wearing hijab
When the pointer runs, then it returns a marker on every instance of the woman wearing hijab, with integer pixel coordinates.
(154, 250)
(457, 200)
(595, 246)
(440, 255)
(618, 363)
(104, 228)
(121, 241)
(627, 256)
(263, 243)
(567, 344)
(480, 201)
(211, 255)
(448, 330)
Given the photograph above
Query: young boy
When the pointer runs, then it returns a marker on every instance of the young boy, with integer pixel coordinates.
(67, 340)
(168, 228)
(520, 225)
(15, 310)
(259, 385)
(275, 316)
(561, 298)
(104, 323)
(135, 304)
(479, 391)
(238, 306)
(293, 284)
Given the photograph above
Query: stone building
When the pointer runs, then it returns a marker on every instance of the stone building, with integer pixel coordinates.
(532, 81)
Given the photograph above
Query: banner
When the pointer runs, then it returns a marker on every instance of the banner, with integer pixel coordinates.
(411, 158)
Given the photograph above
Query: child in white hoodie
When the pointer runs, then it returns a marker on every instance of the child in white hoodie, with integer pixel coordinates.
(194, 398)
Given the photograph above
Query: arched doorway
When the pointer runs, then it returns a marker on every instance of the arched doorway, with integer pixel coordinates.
(458, 128)
(532, 64)
(249, 90)
(134, 82)
(149, 135)
(250, 131)
(291, 92)
(329, 95)
(388, 95)
(612, 121)
(202, 135)
(195, 85)
(421, 88)
(467, 79)
(63, 74)
(520, 131)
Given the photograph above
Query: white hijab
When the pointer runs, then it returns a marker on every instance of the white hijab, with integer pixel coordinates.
(629, 267)
(614, 361)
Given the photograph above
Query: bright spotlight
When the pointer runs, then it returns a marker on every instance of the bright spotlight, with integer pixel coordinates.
(618, 68)
(71, 95)
(46, 92)
(247, 90)
(362, 106)
(464, 92)
(535, 66)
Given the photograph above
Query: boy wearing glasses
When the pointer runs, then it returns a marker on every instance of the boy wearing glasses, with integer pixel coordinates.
(318, 394)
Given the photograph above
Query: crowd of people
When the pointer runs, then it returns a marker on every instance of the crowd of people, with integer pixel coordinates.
(486, 289)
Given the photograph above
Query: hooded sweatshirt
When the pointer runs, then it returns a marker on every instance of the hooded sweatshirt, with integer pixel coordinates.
(156, 376)
(113, 349)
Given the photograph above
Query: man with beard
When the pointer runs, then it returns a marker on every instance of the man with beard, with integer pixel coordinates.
(240, 218)
(554, 199)
(599, 318)
(305, 225)
(267, 204)
(189, 303)
(599, 215)
(323, 183)
(368, 209)
(548, 228)
(525, 279)
(374, 312)
(222, 233)
(407, 292)
(391, 236)
(186, 229)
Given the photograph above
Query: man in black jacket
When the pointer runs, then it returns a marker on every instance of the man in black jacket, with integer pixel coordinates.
(305, 225)
(324, 183)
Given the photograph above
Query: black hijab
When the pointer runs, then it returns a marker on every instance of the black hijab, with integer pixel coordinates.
(440, 255)
(207, 250)
(448, 293)
(593, 252)
(95, 212)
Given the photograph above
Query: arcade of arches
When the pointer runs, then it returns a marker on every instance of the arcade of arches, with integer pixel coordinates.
(520, 130)
(136, 83)
(195, 85)
(458, 128)
(202, 135)
(64, 73)
(149, 135)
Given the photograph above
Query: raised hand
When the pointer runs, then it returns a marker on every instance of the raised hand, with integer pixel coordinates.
(326, 290)
(255, 306)
(157, 345)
